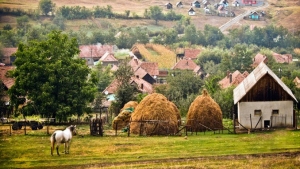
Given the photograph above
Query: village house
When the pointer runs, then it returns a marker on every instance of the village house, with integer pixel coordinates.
(191, 53)
(254, 15)
(279, 58)
(92, 53)
(169, 5)
(191, 12)
(232, 79)
(205, 3)
(6, 83)
(147, 71)
(179, 4)
(196, 4)
(108, 59)
(262, 100)
(8, 56)
(187, 64)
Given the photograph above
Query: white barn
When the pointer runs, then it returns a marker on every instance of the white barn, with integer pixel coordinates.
(262, 100)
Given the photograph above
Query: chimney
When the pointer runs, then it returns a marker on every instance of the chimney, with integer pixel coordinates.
(230, 78)
(228, 72)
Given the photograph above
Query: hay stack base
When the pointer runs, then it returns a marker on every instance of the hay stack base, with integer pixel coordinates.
(204, 114)
(155, 115)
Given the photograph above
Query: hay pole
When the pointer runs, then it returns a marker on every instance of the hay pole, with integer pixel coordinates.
(205, 126)
(222, 126)
(243, 126)
(257, 122)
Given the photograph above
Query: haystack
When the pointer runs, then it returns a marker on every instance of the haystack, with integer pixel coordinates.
(155, 115)
(122, 120)
(204, 114)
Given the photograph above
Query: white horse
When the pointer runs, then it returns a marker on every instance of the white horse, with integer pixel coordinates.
(60, 137)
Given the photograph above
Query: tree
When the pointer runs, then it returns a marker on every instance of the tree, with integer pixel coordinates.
(48, 74)
(156, 13)
(182, 84)
(125, 92)
(190, 34)
(46, 6)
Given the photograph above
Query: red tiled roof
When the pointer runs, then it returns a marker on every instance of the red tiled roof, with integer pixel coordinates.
(140, 72)
(185, 64)
(286, 58)
(8, 82)
(150, 67)
(258, 59)
(191, 53)
(96, 51)
(108, 57)
(236, 78)
(163, 73)
(135, 63)
(9, 51)
(143, 85)
(112, 87)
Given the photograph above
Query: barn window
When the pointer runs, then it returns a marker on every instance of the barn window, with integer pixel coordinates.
(274, 112)
(257, 112)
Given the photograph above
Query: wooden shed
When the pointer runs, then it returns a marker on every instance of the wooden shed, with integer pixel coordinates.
(196, 4)
(254, 15)
(262, 100)
(169, 5)
(191, 12)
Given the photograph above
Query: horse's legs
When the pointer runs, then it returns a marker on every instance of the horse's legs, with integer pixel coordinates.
(57, 149)
(67, 147)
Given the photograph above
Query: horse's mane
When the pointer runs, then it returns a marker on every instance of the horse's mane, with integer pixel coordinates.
(72, 128)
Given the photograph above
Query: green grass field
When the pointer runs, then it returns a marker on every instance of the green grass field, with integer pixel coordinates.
(272, 149)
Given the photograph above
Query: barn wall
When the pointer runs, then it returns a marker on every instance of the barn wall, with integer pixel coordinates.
(283, 119)
(266, 89)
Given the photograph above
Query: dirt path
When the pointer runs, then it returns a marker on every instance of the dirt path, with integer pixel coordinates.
(131, 164)
(236, 19)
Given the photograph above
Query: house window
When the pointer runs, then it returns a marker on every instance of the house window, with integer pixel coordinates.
(257, 112)
(275, 112)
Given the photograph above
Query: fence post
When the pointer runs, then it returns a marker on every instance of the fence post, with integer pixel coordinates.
(116, 132)
(234, 123)
(250, 122)
(10, 129)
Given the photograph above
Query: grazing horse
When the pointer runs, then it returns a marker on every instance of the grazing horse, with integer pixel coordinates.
(60, 137)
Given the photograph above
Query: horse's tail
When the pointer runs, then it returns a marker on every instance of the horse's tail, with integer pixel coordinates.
(52, 139)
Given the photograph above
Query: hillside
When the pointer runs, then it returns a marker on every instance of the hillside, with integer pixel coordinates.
(278, 12)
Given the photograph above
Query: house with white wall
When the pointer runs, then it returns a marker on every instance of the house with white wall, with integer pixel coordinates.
(262, 100)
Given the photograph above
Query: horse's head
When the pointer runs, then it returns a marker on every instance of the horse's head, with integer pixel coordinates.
(73, 129)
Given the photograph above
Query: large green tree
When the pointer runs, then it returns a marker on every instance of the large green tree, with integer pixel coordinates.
(156, 13)
(46, 6)
(50, 76)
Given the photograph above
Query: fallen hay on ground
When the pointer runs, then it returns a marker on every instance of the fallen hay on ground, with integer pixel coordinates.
(204, 114)
(155, 115)
(122, 120)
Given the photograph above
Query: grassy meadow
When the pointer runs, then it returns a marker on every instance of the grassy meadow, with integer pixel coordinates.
(269, 149)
